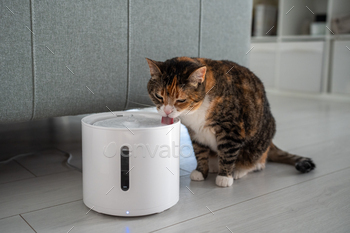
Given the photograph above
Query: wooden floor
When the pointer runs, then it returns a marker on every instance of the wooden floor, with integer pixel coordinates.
(40, 193)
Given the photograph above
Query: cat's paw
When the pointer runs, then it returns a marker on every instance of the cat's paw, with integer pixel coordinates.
(305, 165)
(224, 181)
(213, 165)
(239, 173)
(196, 176)
(259, 167)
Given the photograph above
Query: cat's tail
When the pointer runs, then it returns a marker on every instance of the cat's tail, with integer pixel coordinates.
(302, 164)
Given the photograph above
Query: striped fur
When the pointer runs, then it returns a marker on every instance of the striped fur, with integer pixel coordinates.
(225, 109)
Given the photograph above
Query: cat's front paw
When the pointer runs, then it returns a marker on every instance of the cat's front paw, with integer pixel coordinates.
(239, 173)
(224, 181)
(196, 175)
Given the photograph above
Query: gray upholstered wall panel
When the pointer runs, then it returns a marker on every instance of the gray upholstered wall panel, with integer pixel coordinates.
(16, 87)
(159, 30)
(225, 30)
(88, 37)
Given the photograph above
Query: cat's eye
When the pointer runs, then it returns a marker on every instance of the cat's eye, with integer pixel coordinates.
(181, 101)
(158, 96)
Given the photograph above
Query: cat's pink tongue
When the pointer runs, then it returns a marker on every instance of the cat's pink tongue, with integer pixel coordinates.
(167, 120)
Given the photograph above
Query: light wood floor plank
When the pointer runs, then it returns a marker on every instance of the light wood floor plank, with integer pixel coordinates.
(12, 171)
(45, 162)
(311, 134)
(275, 177)
(325, 139)
(14, 224)
(319, 205)
(41, 192)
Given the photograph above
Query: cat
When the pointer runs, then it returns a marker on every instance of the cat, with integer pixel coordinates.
(225, 109)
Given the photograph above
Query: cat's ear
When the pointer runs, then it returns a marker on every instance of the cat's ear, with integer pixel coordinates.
(198, 76)
(153, 68)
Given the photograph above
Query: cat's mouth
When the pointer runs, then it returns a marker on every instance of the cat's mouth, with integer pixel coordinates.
(173, 114)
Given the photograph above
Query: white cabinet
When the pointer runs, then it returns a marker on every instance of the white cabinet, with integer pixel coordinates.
(263, 62)
(300, 66)
(341, 67)
(297, 61)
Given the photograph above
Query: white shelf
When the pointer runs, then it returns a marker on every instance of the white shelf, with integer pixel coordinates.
(294, 15)
(303, 38)
(300, 38)
(263, 39)
(323, 67)
(339, 37)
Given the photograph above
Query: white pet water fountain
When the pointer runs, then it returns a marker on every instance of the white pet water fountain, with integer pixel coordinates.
(130, 163)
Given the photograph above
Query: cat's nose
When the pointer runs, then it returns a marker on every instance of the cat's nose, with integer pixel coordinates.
(168, 111)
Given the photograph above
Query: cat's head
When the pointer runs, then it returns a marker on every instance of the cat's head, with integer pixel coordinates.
(176, 86)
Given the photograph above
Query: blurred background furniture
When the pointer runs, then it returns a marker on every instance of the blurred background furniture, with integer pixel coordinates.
(74, 57)
(298, 57)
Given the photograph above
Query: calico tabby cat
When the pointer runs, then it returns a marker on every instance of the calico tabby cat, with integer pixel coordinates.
(225, 109)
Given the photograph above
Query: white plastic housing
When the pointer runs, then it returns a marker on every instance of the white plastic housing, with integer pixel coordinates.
(153, 163)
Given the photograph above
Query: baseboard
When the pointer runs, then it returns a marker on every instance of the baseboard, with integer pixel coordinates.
(318, 96)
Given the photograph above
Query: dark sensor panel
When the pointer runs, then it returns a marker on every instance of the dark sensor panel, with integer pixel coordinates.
(124, 168)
